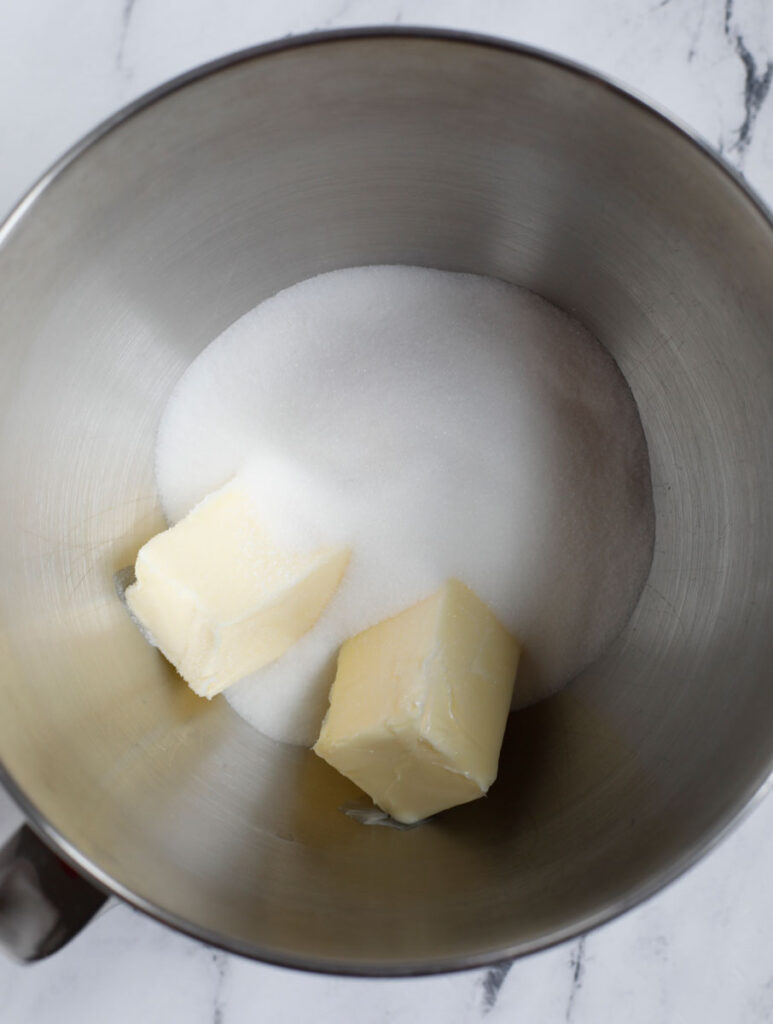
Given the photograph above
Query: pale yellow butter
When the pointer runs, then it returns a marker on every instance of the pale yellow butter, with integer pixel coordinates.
(419, 705)
(219, 599)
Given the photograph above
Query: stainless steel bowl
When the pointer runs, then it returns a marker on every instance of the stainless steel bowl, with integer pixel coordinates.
(170, 222)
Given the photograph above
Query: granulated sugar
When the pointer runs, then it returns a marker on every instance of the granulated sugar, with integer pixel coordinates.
(440, 425)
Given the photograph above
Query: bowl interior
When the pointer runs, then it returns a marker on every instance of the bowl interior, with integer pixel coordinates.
(445, 152)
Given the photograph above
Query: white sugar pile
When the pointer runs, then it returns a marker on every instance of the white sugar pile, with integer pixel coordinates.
(440, 425)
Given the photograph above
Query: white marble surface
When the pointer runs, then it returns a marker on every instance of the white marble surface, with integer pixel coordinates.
(700, 952)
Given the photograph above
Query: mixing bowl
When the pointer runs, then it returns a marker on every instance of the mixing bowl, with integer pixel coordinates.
(170, 222)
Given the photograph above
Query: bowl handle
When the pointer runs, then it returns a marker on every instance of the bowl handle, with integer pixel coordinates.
(43, 901)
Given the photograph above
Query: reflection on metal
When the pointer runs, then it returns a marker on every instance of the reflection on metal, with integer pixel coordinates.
(43, 902)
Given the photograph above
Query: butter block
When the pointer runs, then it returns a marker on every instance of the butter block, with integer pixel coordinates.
(219, 599)
(419, 705)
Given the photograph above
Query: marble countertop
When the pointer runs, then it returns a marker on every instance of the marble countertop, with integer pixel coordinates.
(702, 951)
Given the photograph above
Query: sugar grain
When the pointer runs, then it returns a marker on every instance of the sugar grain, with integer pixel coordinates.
(440, 425)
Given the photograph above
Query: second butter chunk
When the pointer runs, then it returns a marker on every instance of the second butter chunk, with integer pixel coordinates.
(419, 705)
(220, 599)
